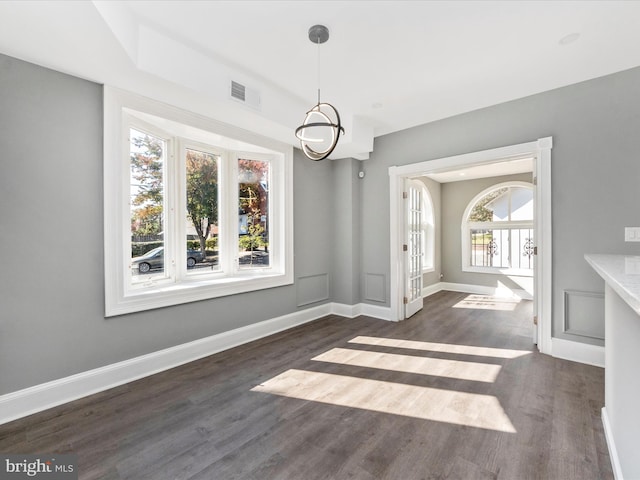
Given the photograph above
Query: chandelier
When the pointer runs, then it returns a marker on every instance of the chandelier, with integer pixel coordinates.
(321, 129)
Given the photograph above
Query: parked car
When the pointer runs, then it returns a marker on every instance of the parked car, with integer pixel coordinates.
(154, 259)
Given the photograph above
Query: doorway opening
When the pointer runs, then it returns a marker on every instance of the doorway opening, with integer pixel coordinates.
(403, 278)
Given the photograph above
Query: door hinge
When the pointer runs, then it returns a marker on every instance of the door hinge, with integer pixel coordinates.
(405, 195)
(535, 319)
(535, 250)
(405, 248)
(535, 180)
(405, 300)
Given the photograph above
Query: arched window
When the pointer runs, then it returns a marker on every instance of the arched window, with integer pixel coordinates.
(497, 230)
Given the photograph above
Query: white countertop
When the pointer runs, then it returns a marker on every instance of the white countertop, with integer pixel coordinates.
(622, 274)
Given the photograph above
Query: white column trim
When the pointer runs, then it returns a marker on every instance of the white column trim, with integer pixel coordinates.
(544, 273)
(613, 453)
(396, 278)
(578, 352)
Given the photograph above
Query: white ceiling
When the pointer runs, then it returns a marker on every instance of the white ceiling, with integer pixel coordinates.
(389, 65)
(509, 167)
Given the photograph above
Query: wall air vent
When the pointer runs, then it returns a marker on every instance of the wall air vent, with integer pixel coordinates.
(238, 91)
(245, 95)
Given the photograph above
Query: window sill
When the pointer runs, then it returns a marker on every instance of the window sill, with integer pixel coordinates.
(165, 295)
(512, 272)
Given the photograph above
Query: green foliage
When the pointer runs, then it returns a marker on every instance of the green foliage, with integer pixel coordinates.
(211, 244)
(483, 238)
(202, 193)
(252, 242)
(147, 220)
(146, 171)
(255, 237)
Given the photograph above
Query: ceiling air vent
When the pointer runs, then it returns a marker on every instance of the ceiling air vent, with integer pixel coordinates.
(245, 95)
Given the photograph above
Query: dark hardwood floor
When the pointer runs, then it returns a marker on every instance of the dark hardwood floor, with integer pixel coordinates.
(455, 392)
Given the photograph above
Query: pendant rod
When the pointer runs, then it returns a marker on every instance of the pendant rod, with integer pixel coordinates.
(318, 34)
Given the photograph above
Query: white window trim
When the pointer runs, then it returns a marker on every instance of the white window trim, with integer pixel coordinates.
(119, 298)
(466, 228)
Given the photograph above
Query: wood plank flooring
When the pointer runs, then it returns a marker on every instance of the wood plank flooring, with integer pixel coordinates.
(455, 392)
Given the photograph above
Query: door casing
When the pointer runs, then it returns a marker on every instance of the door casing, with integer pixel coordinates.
(540, 151)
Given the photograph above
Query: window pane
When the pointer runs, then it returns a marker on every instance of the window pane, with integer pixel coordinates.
(146, 206)
(490, 248)
(521, 203)
(253, 213)
(493, 207)
(481, 248)
(502, 248)
(202, 211)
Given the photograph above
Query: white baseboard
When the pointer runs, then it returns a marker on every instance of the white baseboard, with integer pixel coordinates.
(560, 348)
(375, 311)
(485, 290)
(431, 289)
(613, 453)
(47, 395)
(51, 394)
(353, 311)
(577, 352)
(475, 289)
(344, 310)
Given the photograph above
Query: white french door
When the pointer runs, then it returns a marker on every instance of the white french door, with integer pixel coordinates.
(413, 247)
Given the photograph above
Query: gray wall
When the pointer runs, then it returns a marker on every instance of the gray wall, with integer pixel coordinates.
(51, 241)
(51, 202)
(595, 172)
(345, 231)
(455, 199)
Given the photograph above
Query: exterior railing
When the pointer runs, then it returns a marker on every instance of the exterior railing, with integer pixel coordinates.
(502, 248)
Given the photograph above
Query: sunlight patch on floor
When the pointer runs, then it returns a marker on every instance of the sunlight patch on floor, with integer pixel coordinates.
(459, 408)
(479, 372)
(484, 302)
(440, 347)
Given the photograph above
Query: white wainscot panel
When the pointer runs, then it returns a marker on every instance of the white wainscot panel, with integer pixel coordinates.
(375, 287)
(312, 289)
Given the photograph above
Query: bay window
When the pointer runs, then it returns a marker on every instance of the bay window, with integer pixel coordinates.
(194, 209)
